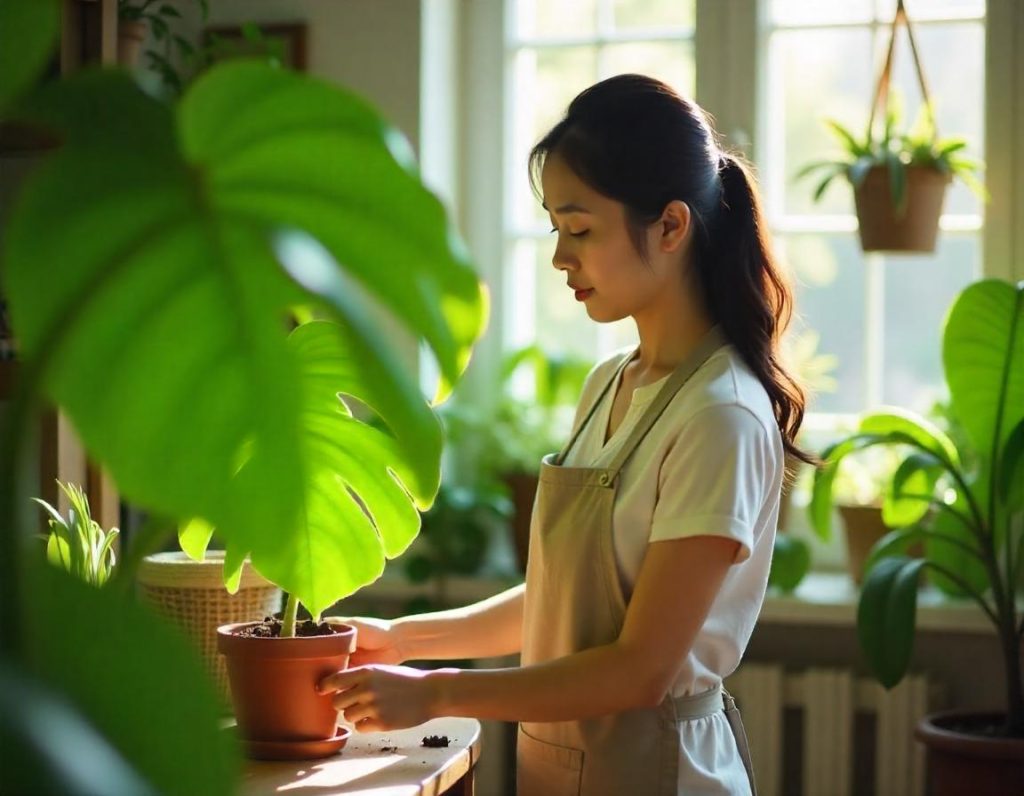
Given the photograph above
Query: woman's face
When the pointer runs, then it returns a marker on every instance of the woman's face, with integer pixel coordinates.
(602, 267)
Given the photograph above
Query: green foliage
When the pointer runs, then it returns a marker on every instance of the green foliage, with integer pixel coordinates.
(30, 33)
(457, 532)
(896, 151)
(230, 211)
(522, 430)
(77, 542)
(204, 228)
(163, 21)
(791, 561)
(958, 494)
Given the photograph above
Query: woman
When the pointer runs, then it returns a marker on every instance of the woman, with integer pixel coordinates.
(653, 529)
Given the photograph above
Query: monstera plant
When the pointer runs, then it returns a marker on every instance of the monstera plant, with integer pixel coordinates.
(152, 264)
(967, 510)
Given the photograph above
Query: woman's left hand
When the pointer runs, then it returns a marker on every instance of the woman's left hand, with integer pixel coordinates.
(377, 698)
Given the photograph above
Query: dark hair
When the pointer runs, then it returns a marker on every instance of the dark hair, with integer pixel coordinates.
(635, 140)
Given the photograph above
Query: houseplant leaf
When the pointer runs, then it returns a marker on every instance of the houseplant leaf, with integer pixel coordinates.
(952, 557)
(913, 484)
(983, 358)
(917, 430)
(28, 32)
(820, 507)
(339, 544)
(886, 615)
(1011, 472)
(122, 650)
(189, 242)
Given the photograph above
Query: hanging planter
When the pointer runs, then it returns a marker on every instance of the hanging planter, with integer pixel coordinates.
(899, 179)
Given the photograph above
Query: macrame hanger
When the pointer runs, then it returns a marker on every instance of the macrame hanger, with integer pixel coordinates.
(881, 99)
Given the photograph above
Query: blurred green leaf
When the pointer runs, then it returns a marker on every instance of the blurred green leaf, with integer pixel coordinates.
(791, 561)
(886, 617)
(28, 35)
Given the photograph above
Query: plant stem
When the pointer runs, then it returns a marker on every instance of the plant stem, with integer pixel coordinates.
(969, 590)
(291, 612)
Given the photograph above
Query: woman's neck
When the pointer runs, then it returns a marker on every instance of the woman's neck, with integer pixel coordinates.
(669, 332)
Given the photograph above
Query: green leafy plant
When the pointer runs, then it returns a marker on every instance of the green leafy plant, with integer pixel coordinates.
(968, 511)
(202, 226)
(896, 151)
(791, 561)
(162, 19)
(77, 542)
(456, 534)
(524, 430)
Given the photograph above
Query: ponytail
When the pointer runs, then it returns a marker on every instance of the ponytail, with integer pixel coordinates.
(748, 294)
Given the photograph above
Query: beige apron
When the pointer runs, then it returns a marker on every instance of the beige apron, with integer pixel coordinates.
(573, 602)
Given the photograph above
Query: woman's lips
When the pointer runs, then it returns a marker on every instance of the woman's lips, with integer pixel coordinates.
(583, 295)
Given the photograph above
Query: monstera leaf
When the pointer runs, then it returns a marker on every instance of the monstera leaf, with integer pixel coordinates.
(151, 266)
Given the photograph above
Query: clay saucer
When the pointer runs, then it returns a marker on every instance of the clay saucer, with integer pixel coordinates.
(297, 750)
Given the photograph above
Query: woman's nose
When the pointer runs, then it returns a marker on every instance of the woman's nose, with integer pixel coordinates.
(561, 259)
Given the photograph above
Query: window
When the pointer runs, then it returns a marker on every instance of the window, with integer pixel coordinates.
(555, 49)
(878, 316)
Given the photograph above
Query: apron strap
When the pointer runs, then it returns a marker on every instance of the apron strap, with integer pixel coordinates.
(712, 341)
(579, 429)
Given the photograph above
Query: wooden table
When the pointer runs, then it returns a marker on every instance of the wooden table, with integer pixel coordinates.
(367, 765)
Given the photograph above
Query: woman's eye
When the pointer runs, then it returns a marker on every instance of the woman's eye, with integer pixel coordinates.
(572, 234)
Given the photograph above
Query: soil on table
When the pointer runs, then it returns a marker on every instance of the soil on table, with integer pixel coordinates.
(435, 741)
(271, 628)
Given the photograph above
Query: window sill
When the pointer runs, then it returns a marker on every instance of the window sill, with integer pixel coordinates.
(830, 599)
(824, 599)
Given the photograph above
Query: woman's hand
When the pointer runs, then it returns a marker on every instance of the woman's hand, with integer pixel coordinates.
(377, 641)
(379, 698)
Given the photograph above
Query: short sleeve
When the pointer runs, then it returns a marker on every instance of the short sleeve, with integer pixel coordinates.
(715, 478)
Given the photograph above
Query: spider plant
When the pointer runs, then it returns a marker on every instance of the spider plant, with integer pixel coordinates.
(77, 542)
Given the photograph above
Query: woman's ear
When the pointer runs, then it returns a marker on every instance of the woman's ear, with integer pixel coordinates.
(674, 226)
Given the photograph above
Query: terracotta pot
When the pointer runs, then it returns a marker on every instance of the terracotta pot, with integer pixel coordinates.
(864, 527)
(273, 682)
(960, 762)
(914, 230)
(130, 36)
(524, 488)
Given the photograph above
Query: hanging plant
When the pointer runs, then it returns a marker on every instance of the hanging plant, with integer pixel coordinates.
(899, 178)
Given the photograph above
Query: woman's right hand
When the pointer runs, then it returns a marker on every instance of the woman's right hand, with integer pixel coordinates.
(377, 640)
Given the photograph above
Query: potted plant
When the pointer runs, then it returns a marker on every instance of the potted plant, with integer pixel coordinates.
(136, 19)
(77, 543)
(221, 215)
(455, 537)
(858, 493)
(523, 430)
(899, 178)
(968, 512)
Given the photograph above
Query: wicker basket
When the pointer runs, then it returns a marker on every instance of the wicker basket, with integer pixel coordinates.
(192, 594)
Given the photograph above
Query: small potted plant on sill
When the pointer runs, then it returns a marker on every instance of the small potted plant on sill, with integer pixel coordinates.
(968, 512)
(899, 178)
(77, 543)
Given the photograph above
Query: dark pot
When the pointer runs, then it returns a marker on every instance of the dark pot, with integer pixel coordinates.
(524, 488)
(273, 682)
(960, 762)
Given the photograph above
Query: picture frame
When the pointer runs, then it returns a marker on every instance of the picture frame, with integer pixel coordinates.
(283, 42)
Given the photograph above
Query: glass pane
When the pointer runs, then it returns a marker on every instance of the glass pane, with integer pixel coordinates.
(918, 292)
(953, 59)
(641, 14)
(546, 80)
(814, 74)
(816, 12)
(538, 18)
(670, 62)
(828, 273)
(932, 9)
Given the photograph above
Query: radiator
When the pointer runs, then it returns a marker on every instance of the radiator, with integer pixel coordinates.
(819, 711)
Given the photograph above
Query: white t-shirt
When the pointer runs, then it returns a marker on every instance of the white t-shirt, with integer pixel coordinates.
(712, 464)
